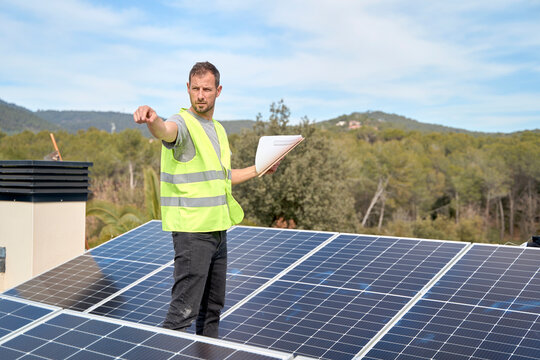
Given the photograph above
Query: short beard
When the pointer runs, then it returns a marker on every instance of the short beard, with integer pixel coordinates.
(204, 111)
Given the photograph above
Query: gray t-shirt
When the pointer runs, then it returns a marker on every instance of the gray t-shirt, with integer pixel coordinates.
(183, 148)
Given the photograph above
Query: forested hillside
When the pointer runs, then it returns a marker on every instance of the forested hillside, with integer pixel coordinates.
(14, 119)
(381, 120)
(482, 188)
(73, 121)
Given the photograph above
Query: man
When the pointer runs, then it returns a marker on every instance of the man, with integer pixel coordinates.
(196, 201)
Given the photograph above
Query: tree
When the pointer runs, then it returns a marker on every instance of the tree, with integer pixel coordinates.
(393, 169)
(310, 188)
(524, 165)
(495, 183)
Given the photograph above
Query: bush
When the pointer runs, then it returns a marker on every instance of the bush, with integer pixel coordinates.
(470, 229)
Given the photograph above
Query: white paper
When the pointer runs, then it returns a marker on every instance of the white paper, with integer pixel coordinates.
(273, 148)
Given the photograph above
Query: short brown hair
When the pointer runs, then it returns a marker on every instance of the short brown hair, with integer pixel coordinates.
(201, 68)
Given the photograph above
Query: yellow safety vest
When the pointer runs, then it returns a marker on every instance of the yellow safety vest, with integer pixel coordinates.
(196, 195)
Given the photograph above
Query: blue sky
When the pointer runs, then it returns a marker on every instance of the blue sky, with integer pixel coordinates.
(468, 64)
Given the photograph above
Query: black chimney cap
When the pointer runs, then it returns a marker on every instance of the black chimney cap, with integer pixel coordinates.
(44, 181)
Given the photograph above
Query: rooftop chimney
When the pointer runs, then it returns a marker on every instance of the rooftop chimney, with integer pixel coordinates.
(42, 216)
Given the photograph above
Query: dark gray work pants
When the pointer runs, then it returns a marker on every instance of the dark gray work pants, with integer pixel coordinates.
(198, 292)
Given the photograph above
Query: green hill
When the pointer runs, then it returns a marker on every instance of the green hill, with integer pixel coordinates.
(382, 120)
(73, 121)
(15, 119)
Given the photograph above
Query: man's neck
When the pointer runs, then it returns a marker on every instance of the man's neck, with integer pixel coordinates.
(206, 116)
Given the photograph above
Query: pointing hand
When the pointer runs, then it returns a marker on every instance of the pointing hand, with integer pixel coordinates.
(144, 114)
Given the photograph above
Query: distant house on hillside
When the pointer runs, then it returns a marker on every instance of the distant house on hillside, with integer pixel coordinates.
(354, 124)
(341, 123)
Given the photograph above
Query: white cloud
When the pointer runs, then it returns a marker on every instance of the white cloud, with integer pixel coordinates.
(322, 57)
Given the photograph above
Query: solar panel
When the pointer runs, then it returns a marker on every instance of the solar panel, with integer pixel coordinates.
(15, 314)
(82, 282)
(485, 306)
(146, 243)
(350, 268)
(251, 251)
(501, 277)
(318, 295)
(266, 252)
(311, 320)
(148, 301)
(381, 264)
(442, 330)
(81, 336)
(255, 251)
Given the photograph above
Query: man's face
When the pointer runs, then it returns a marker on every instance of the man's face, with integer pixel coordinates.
(203, 93)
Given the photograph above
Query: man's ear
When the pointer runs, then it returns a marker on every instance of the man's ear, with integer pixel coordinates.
(218, 90)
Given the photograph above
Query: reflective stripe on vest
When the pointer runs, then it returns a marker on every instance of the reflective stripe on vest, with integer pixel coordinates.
(193, 177)
(194, 202)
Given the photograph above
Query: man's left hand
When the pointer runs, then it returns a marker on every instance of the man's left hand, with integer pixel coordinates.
(273, 169)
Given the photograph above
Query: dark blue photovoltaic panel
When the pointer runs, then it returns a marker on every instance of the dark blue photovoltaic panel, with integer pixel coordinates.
(148, 301)
(329, 306)
(387, 265)
(438, 330)
(500, 277)
(147, 243)
(70, 336)
(256, 251)
(265, 252)
(316, 321)
(81, 282)
(15, 315)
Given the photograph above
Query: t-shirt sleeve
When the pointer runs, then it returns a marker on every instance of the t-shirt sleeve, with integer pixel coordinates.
(182, 135)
